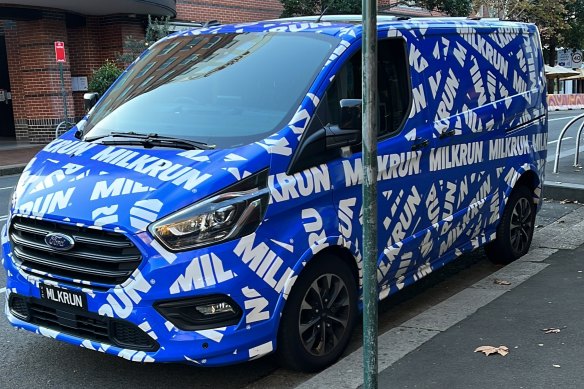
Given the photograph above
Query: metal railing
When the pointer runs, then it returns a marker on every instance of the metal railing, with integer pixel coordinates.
(561, 138)
(62, 128)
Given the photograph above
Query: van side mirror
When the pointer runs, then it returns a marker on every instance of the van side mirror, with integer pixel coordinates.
(348, 132)
(90, 99)
(351, 114)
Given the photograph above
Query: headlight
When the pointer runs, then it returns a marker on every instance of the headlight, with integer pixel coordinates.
(235, 211)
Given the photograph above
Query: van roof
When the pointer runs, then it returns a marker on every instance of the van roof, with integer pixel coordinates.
(342, 25)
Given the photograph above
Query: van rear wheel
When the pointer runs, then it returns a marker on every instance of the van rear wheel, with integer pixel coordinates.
(515, 230)
(319, 316)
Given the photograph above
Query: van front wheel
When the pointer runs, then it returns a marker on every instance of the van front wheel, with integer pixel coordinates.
(319, 316)
(515, 230)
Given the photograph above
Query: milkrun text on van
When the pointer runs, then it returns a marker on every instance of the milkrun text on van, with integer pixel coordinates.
(208, 209)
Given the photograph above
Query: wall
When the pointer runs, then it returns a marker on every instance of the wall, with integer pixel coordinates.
(89, 41)
(34, 74)
(226, 11)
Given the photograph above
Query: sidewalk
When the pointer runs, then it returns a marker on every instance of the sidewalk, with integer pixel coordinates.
(436, 348)
(14, 157)
(550, 299)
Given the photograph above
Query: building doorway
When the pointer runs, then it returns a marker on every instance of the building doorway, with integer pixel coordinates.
(6, 113)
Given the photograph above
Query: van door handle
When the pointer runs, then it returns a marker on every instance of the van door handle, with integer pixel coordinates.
(447, 133)
(420, 143)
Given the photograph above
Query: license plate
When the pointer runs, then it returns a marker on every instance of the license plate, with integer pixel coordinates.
(63, 296)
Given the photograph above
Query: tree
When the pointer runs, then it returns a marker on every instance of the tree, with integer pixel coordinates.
(560, 22)
(103, 77)
(316, 7)
(449, 7)
(133, 47)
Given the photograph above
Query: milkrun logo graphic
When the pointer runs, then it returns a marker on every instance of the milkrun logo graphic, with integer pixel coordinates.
(264, 262)
(120, 186)
(390, 166)
(48, 203)
(162, 169)
(202, 272)
(302, 184)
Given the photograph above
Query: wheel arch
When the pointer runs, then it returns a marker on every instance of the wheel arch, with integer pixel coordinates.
(527, 175)
(346, 251)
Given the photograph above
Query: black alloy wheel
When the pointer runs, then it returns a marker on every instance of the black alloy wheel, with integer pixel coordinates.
(515, 230)
(319, 316)
(521, 227)
(324, 314)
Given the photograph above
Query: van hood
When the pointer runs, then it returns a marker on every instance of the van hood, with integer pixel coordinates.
(123, 187)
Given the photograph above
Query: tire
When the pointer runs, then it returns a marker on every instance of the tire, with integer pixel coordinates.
(310, 338)
(515, 231)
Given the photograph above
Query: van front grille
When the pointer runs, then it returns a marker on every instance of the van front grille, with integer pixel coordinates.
(101, 257)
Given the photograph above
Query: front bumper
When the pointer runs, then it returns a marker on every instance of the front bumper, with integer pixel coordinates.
(161, 277)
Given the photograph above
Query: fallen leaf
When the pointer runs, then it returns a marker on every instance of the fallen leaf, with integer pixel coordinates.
(501, 282)
(488, 350)
(539, 226)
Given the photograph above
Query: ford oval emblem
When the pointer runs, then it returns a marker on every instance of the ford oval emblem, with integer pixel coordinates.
(59, 241)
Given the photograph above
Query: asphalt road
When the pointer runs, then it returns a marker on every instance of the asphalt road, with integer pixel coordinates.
(32, 361)
(557, 120)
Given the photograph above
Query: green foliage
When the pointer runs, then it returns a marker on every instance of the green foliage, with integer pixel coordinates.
(157, 29)
(316, 7)
(560, 22)
(449, 7)
(133, 47)
(103, 77)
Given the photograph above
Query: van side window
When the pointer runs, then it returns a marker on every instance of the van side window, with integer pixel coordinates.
(394, 91)
(394, 87)
(392, 83)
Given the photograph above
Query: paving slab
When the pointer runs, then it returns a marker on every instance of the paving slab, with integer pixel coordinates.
(516, 319)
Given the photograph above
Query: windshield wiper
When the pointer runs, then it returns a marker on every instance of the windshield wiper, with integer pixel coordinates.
(150, 140)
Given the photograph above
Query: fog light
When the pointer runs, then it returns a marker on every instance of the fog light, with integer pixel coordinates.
(215, 309)
(197, 313)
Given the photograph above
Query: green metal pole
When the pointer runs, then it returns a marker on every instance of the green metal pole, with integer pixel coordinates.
(64, 93)
(369, 129)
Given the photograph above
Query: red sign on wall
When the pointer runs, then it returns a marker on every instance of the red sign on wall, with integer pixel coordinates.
(60, 52)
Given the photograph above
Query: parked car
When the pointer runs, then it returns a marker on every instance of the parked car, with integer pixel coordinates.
(208, 209)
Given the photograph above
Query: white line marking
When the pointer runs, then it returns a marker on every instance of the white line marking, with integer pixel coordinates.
(7, 187)
(566, 118)
(2, 290)
(566, 153)
(556, 141)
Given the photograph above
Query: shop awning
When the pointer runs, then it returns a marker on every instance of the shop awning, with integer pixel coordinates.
(103, 7)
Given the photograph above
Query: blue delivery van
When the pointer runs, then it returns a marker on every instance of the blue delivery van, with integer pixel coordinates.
(208, 209)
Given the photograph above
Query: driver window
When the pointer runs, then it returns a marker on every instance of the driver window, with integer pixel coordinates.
(392, 87)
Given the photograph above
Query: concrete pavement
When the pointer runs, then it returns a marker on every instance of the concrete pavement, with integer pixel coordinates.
(436, 348)
(14, 157)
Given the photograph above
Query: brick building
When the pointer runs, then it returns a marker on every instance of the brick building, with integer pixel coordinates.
(31, 101)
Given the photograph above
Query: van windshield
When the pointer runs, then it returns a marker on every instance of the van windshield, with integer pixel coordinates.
(224, 89)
